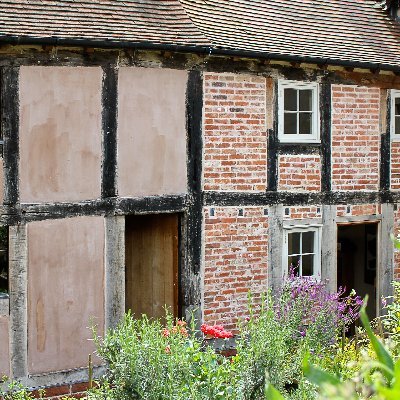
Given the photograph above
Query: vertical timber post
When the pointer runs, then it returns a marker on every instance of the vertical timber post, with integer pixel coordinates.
(18, 265)
(190, 274)
(114, 270)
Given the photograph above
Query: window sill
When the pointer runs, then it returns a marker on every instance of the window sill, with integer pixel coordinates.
(299, 141)
(4, 304)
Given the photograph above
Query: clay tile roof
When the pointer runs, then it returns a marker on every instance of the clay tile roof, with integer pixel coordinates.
(153, 21)
(336, 31)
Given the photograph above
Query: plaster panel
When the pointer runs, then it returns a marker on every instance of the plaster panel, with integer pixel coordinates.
(151, 131)
(60, 133)
(4, 347)
(65, 291)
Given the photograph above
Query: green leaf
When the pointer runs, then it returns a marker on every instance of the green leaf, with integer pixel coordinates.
(396, 242)
(383, 355)
(271, 393)
(317, 375)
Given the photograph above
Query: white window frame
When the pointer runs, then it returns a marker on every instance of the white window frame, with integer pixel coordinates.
(393, 96)
(317, 247)
(297, 138)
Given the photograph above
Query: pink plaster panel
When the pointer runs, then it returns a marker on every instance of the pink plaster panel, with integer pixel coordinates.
(151, 131)
(4, 346)
(65, 291)
(60, 133)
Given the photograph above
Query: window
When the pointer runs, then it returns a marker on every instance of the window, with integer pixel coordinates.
(3, 260)
(395, 114)
(302, 248)
(298, 112)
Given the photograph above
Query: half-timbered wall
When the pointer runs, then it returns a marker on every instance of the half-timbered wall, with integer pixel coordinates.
(92, 137)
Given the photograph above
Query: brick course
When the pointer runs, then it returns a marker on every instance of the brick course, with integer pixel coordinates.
(355, 137)
(395, 165)
(235, 261)
(396, 265)
(235, 138)
(358, 209)
(300, 173)
(302, 212)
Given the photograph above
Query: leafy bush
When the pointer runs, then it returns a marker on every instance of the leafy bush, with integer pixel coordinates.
(148, 361)
(302, 318)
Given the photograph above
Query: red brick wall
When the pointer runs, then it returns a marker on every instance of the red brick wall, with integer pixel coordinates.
(299, 173)
(355, 138)
(395, 165)
(235, 261)
(396, 265)
(235, 139)
(74, 390)
(302, 212)
(358, 209)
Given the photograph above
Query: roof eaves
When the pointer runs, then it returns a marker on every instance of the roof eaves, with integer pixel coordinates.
(192, 48)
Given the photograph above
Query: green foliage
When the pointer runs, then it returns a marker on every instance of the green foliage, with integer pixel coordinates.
(17, 391)
(378, 379)
(147, 361)
(391, 320)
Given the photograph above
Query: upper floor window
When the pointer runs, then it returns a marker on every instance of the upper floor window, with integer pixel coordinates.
(302, 248)
(298, 112)
(395, 114)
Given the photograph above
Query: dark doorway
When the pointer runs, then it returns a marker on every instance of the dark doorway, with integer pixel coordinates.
(151, 264)
(357, 261)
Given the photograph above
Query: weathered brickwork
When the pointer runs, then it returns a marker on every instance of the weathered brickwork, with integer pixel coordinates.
(358, 209)
(355, 138)
(59, 392)
(395, 165)
(396, 251)
(300, 212)
(235, 261)
(301, 173)
(235, 138)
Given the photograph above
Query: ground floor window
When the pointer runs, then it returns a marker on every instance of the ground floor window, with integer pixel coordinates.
(302, 249)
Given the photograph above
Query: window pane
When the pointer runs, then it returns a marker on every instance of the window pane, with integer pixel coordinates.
(293, 243)
(3, 259)
(397, 106)
(293, 264)
(397, 125)
(308, 242)
(290, 124)
(307, 265)
(305, 124)
(290, 98)
(305, 100)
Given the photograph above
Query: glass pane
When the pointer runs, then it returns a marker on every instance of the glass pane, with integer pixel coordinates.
(305, 100)
(305, 124)
(307, 265)
(308, 242)
(290, 124)
(290, 97)
(397, 125)
(293, 264)
(293, 243)
(397, 106)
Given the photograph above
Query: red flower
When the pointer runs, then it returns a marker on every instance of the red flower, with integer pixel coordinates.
(216, 331)
(165, 332)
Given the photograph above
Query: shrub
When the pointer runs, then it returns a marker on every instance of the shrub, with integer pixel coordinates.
(148, 361)
(302, 318)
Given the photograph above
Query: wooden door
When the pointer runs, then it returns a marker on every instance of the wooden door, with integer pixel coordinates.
(151, 276)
